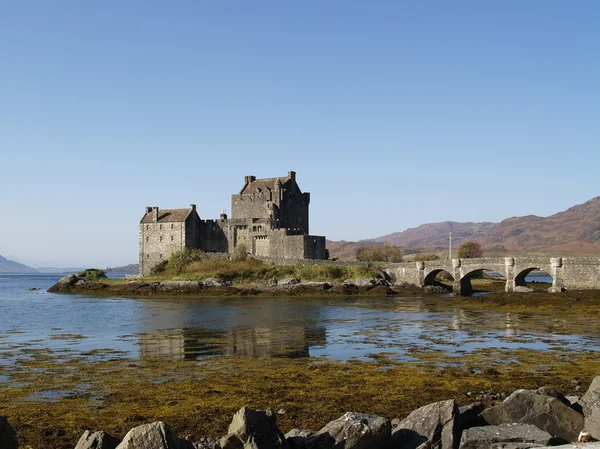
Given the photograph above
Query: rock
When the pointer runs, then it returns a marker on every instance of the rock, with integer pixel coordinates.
(97, 440)
(345, 289)
(67, 281)
(288, 281)
(296, 438)
(172, 286)
(318, 285)
(8, 436)
(207, 443)
(545, 391)
(360, 282)
(352, 431)
(573, 399)
(253, 429)
(545, 412)
(489, 437)
(590, 404)
(522, 289)
(216, 283)
(157, 435)
(435, 424)
(469, 415)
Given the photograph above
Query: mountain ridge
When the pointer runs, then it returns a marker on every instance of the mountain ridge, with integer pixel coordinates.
(9, 266)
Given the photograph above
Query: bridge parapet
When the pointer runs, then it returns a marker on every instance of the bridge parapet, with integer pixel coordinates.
(567, 272)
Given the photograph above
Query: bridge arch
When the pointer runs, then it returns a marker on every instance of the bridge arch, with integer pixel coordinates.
(466, 288)
(520, 277)
(431, 276)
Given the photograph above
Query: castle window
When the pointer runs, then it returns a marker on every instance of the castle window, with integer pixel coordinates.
(172, 238)
(147, 239)
(160, 256)
(147, 227)
(147, 256)
(160, 226)
(161, 238)
(172, 226)
(254, 229)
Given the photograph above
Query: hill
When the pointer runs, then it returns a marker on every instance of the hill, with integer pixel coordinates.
(574, 231)
(432, 235)
(133, 268)
(9, 266)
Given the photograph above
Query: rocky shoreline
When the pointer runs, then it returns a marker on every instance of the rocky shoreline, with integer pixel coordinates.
(525, 419)
(78, 283)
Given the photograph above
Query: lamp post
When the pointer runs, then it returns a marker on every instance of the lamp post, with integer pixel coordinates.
(450, 245)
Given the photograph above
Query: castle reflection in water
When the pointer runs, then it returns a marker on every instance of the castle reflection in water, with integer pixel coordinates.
(194, 343)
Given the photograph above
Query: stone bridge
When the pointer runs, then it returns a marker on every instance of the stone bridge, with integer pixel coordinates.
(568, 273)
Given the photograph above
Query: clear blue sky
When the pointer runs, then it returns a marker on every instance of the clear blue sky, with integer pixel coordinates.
(392, 113)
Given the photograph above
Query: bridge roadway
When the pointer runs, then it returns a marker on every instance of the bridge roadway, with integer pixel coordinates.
(568, 273)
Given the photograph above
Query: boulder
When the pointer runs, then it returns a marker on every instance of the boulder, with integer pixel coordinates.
(288, 281)
(360, 282)
(435, 425)
(545, 412)
(352, 431)
(489, 437)
(216, 283)
(156, 435)
(296, 438)
(97, 440)
(185, 286)
(253, 429)
(545, 391)
(470, 415)
(590, 404)
(8, 436)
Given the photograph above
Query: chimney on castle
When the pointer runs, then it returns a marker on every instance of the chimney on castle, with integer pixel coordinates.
(250, 179)
(223, 215)
(155, 214)
(193, 207)
(292, 175)
(148, 209)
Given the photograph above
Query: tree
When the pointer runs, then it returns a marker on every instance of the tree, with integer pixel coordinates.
(379, 253)
(470, 250)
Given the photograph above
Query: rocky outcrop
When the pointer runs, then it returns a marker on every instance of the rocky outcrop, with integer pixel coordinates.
(296, 438)
(435, 426)
(97, 440)
(8, 436)
(352, 431)
(253, 429)
(505, 435)
(590, 404)
(544, 412)
(157, 435)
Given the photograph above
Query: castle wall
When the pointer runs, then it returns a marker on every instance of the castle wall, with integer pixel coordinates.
(158, 241)
(213, 236)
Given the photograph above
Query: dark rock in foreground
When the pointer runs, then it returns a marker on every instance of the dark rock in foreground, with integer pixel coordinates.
(252, 429)
(434, 425)
(500, 436)
(352, 431)
(544, 412)
(97, 440)
(8, 436)
(590, 403)
(157, 435)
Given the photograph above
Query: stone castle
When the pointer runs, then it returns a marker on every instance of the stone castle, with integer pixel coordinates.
(269, 219)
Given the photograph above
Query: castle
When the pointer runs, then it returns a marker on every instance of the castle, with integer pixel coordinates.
(269, 219)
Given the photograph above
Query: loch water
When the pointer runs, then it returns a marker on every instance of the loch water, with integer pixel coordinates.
(334, 328)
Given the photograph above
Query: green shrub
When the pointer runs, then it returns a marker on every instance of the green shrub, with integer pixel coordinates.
(160, 267)
(181, 259)
(93, 274)
(470, 250)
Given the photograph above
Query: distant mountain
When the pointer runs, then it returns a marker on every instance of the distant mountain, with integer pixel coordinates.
(59, 270)
(9, 266)
(574, 231)
(433, 235)
(131, 268)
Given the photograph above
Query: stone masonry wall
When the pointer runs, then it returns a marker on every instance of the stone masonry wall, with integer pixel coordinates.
(158, 241)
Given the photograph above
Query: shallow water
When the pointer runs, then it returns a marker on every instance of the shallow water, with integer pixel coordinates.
(335, 328)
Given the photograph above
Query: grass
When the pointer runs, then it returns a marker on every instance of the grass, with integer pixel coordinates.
(252, 270)
(198, 398)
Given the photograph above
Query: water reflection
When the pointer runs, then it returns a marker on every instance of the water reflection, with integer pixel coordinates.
(190, 344)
